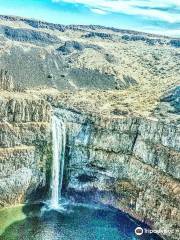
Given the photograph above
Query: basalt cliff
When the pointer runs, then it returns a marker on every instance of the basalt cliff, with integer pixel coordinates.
(118, 93)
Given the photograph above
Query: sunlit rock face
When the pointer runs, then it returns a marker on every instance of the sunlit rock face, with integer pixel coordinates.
(129, 162)
(25, 149)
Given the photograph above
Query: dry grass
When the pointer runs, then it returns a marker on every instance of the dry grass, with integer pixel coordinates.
(154, 68)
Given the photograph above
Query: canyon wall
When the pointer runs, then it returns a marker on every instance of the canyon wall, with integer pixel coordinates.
(131, 163)
(25, 149)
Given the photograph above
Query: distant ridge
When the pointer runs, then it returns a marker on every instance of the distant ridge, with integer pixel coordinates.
(62, 27)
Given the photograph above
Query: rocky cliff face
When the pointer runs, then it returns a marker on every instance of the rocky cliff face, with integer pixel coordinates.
(24, 146)
(129, 162)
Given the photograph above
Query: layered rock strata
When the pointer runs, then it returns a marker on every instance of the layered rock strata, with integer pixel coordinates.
(25, 149)
(133, 161)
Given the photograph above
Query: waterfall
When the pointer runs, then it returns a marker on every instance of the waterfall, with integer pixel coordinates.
(59, 144)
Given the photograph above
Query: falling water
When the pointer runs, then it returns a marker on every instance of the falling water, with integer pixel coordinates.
(59, 141)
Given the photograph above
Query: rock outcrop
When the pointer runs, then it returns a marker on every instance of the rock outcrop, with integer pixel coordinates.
(28, 35)
(25, 149)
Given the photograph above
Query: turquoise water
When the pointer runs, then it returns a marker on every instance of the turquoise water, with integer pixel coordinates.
(76, 222)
